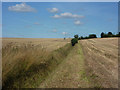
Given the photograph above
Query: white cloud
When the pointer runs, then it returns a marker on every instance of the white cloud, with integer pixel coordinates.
(53, 10)
(77, 22)
(64, 33)
(23, 7)
(68, 15)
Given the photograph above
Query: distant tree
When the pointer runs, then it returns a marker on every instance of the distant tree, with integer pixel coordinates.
(64, 38)
(106, 35)
(76, 36)
(81, 37)
(119, 33)
(102, 35)
(74, 41)
(92, 36)
(86, 37)
(110, 33)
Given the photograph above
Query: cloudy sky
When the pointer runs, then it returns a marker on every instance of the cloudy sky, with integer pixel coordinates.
(58, 20)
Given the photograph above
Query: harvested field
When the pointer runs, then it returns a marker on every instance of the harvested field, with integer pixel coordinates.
(54, 63)
(101, 59)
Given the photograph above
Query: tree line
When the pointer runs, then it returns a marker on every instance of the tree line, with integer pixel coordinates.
(103, 35)
(109, 34)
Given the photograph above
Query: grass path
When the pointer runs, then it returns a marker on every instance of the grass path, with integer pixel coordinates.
(70, 73)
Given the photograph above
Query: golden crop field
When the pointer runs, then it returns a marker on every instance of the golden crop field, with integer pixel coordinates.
(20, 54)
(48, 43)
(55, 63)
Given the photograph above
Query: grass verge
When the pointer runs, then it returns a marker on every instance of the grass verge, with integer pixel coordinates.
(32, 67)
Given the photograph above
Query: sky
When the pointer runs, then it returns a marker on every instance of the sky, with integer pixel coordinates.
(58, 19)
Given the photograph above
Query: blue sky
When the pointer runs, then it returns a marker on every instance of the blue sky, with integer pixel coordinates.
(58, 20)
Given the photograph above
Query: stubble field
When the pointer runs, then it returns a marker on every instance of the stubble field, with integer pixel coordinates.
(101, 60)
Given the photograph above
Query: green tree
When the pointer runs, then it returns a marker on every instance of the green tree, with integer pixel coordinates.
(102, 35)
(119, 33)
(76, 36)
(110, 33)
(74, 41)
(92, 36)
(81, 37)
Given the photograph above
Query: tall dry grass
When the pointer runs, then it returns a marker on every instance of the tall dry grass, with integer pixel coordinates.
(27, 65)
(20, 58)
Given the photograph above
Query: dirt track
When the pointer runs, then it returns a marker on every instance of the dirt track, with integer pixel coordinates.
(101, 59)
